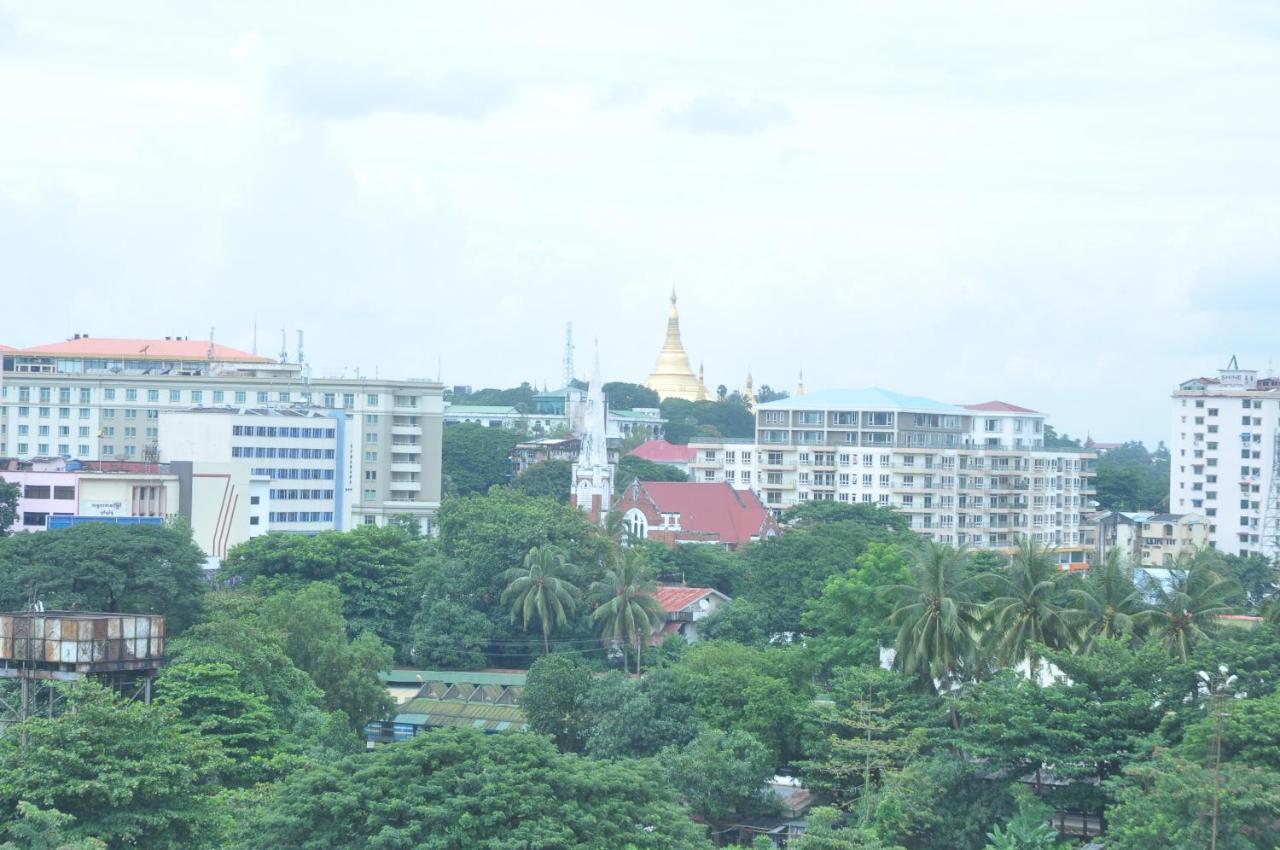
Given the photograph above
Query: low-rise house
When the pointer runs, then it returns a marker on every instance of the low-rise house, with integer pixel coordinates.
(1151, 539)
(693, 512)
(683, 608)
(487, 700)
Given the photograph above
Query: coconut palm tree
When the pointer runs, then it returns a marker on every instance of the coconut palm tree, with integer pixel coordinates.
(936, 615)
(1027, 610)
(628, 611)
(1187, 606)
(1106, 602)
(537, 590)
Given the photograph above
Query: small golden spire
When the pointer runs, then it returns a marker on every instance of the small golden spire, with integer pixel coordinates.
(800, 386)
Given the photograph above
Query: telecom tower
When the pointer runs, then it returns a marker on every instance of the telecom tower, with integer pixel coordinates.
(568, 354)
(1271, 516)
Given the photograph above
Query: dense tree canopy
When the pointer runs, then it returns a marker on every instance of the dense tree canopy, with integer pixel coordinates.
(104, 567)
(474, 458)
(460, 788)
(550, 478)
(9, 495)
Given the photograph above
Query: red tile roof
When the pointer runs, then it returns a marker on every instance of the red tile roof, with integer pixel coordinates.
(999, 406)
(675, 598)
(4, 347)
(732, 516)
(660, 451)
(144, 349)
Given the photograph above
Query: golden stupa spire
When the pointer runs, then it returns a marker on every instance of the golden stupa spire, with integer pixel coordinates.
(800, 386)
(702, 382)
(749, 394)
(672, 376)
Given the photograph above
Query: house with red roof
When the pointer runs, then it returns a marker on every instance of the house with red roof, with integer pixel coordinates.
(694, 512)
(682, 608)
(668, 454)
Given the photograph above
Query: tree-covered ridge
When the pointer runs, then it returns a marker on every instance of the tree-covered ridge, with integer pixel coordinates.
(274, 671)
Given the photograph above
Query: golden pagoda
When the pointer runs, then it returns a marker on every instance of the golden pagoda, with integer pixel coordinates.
(672, 376)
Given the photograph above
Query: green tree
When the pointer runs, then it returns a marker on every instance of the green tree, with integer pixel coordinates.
(45, 829)
(720, 774)
(315, 639)
(627, 611)
(9, 495)
(104, 567)
(550, 478)
(629, 717)
(623, 396)
(1027, 613)
(538, 591)
(211, 702)
(1164, 802)
(1130, 478)
(456, 788)
(130, 774)
(1186, 610)
(935, 615)
(449, 635)
(1105, 602)
(372, 567)
(739, 620)
(851, 617)
(554, 700)
(475, 457)
(828, 829)
(1258, 577)
(1028, 830)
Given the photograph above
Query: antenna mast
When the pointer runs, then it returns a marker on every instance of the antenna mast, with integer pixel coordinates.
(568, 353)
(284, 348)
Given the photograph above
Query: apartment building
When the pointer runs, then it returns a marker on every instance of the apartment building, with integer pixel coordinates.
(101, 399)
(974, 475)
(1224, 437)
(1149, 539)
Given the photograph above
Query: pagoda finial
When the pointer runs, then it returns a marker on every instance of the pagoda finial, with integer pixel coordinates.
(800, 385)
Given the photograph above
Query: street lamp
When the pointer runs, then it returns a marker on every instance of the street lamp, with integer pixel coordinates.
(1218, 691)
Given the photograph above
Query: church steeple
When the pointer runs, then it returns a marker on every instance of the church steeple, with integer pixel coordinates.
(672, 376)
(592, 474)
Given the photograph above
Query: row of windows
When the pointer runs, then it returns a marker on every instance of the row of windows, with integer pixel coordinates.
(301, 516)
(43, 430)
(47, 412)
(42, 449)
(44, 491)
(282, 452)
(295, 474)
(274, 431)
(302, 494)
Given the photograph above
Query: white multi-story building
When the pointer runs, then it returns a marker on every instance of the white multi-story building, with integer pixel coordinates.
(101, 399)
(1223, 456)
(975, 475)
(293, 457)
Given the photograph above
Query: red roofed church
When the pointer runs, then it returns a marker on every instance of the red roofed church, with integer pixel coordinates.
(694, 512)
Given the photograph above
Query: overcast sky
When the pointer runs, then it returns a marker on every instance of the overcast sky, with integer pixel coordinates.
(1068, 206)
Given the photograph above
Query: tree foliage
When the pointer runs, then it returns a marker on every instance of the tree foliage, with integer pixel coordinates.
(550, 478)
(474, 458)
(9, 495)
(139, 569)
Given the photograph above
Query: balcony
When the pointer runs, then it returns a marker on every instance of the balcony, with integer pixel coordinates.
(406, 430)
(406, 467)
(409, 486)
(405, 447)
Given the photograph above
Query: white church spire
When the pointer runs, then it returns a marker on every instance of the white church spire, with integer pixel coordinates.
(592, 474)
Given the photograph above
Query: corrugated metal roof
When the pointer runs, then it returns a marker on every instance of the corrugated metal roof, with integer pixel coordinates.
(473, 677)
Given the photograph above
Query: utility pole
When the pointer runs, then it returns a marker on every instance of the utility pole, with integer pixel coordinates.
(1217, 694)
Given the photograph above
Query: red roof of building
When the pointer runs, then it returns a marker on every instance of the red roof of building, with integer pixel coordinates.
(1000, 406)
(660, 451)
(4, 347)
(675, 598)
(732, 516)
(143, 349)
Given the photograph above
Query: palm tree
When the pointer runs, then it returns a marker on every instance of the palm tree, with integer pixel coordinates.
(537, 590)
(1027, 611)
(1188, 606)
(628, 610)
(1106, 602)
(936, 616)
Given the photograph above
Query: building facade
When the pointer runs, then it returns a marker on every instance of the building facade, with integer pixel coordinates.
(973, 475)
(101, 399)
(1224, 440)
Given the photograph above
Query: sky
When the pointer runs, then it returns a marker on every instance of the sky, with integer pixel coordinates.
(1069, 206)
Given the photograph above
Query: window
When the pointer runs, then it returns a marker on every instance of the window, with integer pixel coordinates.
(746, 476)
(240, 396)
(84, 413)
(108, 449)
(64, 493)
(109, 394)
(371, 400)
(130, 413)
(130, 395)
(84, 449)
(218, 396)
(371, 457)
(43, 412)
(33, 491)
(197, 396)
(371, 437)
(263, 396)
(44, 394)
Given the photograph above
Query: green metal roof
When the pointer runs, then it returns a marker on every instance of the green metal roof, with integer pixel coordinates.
(470, 677)
(432, 712)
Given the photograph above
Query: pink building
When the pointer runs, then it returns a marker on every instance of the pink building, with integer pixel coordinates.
(41, 493)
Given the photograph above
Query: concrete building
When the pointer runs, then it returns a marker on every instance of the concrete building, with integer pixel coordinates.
(293, 458)
(101, 399)
(559, 412)
(1224, 449)
(974, 475)
(1150, 539)
(682, 609)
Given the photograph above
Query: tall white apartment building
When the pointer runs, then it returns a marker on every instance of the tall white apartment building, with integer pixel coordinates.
(1224, 444)
(101, 399)
(975, 475)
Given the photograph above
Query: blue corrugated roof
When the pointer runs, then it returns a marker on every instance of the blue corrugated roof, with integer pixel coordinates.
(873, 398)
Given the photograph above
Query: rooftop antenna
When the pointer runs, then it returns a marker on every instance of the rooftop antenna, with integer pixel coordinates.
(300, 360)
(255, 334)
(439, 370)
(209, 354)
(284, 350)
(568, 353)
